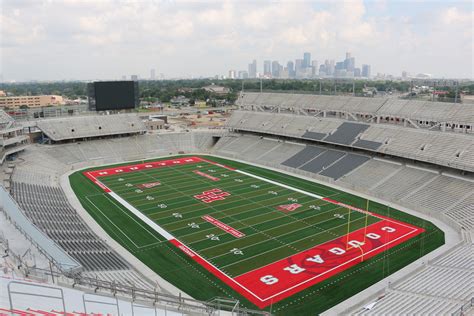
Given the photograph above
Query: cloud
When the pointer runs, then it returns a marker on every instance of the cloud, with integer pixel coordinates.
(110, 37)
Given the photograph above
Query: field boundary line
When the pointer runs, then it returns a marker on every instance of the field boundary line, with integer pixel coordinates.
(123, 233)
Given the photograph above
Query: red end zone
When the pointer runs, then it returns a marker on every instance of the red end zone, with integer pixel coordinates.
(283, 278)
(142, 166)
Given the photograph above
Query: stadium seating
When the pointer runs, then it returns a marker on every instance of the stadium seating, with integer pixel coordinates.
(346, 133)
(438, 288)
(388, 107)
(49, 210)
(448, 149)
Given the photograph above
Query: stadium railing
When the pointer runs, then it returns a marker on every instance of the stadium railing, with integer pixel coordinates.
(43, 243)
(463, 310)
(71, 278)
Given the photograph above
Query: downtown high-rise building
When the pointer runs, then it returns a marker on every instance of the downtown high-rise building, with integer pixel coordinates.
(275, 69)
(299, 67)
(267, 68)
(232, 74)
(291, 69)
(306, 60)
(152, 74)
(314, 68)
(253, 69)
(243, 74)
(365, 71)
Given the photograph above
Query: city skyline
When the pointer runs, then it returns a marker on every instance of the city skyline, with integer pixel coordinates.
(305, 68)
(107, 39)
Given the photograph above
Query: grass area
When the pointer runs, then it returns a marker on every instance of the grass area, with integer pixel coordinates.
(250, 208)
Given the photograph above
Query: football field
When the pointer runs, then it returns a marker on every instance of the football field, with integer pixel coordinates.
(265, 239)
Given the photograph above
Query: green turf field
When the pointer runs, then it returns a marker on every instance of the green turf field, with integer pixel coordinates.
(251, 208)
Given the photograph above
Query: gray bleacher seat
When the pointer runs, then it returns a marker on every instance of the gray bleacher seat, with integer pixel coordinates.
(314, 135)
(367, 144)
(308, 153)
(345, 165)
(346, 133)
(47, 207)
(322, 161)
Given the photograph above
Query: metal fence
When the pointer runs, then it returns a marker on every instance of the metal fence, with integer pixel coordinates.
(465, 308)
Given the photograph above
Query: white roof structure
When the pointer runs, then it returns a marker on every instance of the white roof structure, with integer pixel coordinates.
(74, 127)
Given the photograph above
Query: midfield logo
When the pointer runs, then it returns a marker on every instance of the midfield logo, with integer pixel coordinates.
(288, 207)
(212, 195)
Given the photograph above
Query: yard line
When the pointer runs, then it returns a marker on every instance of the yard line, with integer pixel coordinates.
(264, 206)
(296, 230)
(221, 244)
(239, 206)
(164, 199)
(131, 190)
(123, 233)
(164, 172)
(259, 254)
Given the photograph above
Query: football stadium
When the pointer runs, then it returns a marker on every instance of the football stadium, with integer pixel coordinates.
(299, 204)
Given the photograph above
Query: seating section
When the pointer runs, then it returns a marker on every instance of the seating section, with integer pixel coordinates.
(345, 165)
(327, 162)
(367, 144)
(400, 303)
(371, 173)
(403, 182)
(448, 149)
(463, 212)
(313, 135)
(346, 133)
(280, 153)
(441, 193)
(91, 126)
(305, 155)
(322, 161)
(440, 288)
(48, 208)
(455, 284)
(386, 107)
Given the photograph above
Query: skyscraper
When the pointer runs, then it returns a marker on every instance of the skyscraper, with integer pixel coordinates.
(275, 69)
(299, 67)
(243, 74)
(267, 68)
(314, 68)
(152, 74)
(366, 71)
(253, 69)
(291, 69)
(232, 74)
(306, 60)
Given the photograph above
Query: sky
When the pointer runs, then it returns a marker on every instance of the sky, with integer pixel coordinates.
(105, 39)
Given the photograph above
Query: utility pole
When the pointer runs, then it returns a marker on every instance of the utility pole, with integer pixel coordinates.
(456, 92)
